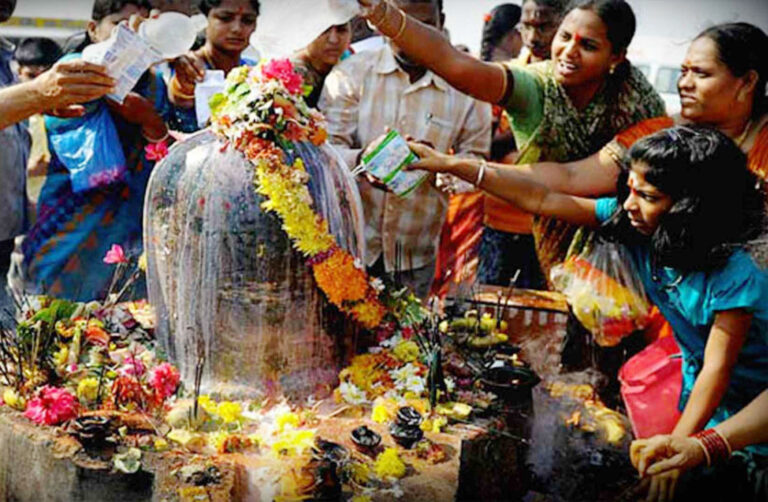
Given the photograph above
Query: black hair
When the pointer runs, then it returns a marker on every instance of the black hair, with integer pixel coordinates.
(557, 5)
(618, 17)
(717, 203)
(503, 19)
(104, 8)
(37, 51)
(207, 5)
(743, 47)
(438, 2)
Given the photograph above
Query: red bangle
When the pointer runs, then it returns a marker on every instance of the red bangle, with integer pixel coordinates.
(716, 447)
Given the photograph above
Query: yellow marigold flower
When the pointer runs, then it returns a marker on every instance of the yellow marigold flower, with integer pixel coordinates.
(407, 351)
(389, 465)
(229, 411)
(143, 262)
(360, 472)
(14, 399)
(294, 442)
(381, 414)
(88, 389)
(361, 498)
(368, 313)
(434, 424)
(208, 404)
(287, 419)
(60, 357)
(161, 444)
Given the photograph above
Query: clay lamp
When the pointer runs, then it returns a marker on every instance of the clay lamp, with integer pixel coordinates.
(407, 416)
(328, 450)
(91, 431)
(405, 430)
(365, 439)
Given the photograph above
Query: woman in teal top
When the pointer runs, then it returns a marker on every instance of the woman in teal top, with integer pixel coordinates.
(688, 207)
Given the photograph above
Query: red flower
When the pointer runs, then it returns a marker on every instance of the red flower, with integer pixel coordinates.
(115, 255)
(156, 151)
(282, 70)
(52, 406)
(164, 379)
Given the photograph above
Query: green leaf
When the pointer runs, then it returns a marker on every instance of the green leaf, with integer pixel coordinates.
(216, 102)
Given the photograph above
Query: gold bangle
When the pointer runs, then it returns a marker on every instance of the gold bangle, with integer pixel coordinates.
(383, 14)
(178, 92)
(165, 137)
(504, 82)
(403, 24)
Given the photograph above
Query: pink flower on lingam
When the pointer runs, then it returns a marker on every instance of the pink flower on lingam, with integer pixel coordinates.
(52, 406)
(164, 379)
(282, 70)
(115, 255)
(132, 366)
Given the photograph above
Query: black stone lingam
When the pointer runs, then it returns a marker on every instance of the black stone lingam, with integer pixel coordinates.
(405, 429)
(365, 439)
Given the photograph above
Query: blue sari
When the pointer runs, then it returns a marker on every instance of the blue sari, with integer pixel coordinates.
(65, 249)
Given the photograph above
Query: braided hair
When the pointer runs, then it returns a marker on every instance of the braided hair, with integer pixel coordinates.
(501, 20)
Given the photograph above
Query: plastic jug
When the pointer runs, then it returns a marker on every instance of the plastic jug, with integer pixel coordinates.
(171, 33)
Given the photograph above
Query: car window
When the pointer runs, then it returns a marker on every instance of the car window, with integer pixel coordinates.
(666, 79)
(645, 68)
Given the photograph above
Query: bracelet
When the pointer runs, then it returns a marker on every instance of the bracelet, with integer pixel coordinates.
(704, 449)
(383, 14)
(177, 90)
(403, 25)
(504, 83)
(716, 447)
(481, 172)
(151, 140)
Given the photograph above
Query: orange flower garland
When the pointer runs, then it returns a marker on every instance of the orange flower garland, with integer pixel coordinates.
(260, 113)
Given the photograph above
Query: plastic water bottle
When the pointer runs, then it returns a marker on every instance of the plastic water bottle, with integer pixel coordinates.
(171, 33)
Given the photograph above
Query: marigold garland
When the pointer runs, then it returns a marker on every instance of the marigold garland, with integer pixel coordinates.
(261, 114)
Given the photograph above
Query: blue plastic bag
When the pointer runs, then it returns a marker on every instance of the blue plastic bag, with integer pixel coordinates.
(89, 147)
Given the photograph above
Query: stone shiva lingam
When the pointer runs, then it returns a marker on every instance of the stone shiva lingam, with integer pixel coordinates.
(248, 225)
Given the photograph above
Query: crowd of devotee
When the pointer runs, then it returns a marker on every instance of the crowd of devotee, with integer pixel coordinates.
(545, 139)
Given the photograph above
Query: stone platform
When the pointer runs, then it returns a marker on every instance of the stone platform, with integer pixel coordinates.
(42, 464)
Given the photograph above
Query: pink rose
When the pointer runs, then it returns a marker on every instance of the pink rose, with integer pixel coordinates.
(282, 70)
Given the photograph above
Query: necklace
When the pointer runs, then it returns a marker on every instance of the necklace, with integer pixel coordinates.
(743, 136)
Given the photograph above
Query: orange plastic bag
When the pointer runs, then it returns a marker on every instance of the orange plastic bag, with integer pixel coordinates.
(604, 291)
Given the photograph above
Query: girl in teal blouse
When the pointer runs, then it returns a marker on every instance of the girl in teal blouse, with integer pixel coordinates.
(686, 208)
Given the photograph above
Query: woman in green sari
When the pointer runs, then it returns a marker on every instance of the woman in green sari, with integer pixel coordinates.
(559, 110)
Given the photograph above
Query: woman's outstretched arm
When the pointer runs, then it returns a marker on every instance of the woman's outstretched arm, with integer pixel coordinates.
(429, 47)
(514, 187)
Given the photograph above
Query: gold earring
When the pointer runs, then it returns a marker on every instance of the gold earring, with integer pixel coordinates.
(613, 69)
